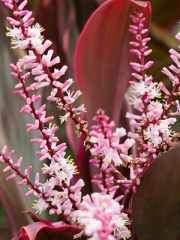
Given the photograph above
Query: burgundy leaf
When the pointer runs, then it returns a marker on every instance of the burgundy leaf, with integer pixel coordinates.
(39, 231)
(36, 219)
(82, 156)
(156, 204)
(75, 143)
(102, 56)
(71, 35)
(71, 135)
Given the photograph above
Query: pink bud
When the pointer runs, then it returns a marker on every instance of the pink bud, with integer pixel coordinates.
(137, 181)
(45, 46)
(137, 52)
(137, 76)
(16, 13)
(37, 124)
(15, 23)
(27, 16)
(47, 171)
(132, 31)
(61, 150)
(36, 140)
(29, 192)
(114, 188)
(35, 98)
(135, 44)
(11, 154)
(47, 119)
(9, 5)
(139, 170)
(56, 158)
(26, 75)
(138, 37)
(22, 5)
(40, 153)
(10, 19)
(28, 100)
(134, 189)
(144, 49)
(4, 149)
(7, 169)
(19, 85)
(149, 64)
(54, 139)
(19, 162)
(98, 175)
(93, 161)
(1, 159)
(13, 67)
(142, 20)
(43, 143)
(96, 181)
(26, 109)
(41, 85)
(127, 191)
(24, 181)
(15, 75)
(144, 31)
(22, 13)
(147, 52)
(27, 171)
(11, 176)
(145, 40)
(133, 27)
(109, 170)
(37, 179)
(40, 111)
(152, 150)
(40, 195)
(18, 92)
(59, 146)
(141, 26)
(119, 198)
(46, 155)
(29, 22)
(31, 87)
(21, 184)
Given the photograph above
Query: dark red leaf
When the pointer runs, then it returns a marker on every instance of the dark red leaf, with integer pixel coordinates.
(36, 219)
(102, 56)
(39, 231)
(156, 204)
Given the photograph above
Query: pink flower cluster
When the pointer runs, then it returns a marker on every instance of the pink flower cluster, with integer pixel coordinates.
(101, 216)
(61, 169)
(107, 147)
(152, 125)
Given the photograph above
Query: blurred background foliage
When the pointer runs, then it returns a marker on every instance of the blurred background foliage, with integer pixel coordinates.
(63, 21)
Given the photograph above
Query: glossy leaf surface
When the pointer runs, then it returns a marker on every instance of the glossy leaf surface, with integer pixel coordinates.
(39, 231)
(156, 204)
(102, 56)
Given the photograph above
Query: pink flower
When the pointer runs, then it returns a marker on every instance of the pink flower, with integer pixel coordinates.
(101, 216)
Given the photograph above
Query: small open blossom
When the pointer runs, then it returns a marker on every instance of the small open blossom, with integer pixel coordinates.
(102, 217)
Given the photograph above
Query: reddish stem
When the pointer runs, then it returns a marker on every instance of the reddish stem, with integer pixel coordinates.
(32, 186)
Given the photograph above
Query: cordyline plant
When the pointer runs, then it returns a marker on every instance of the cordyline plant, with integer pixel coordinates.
(141, 205)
